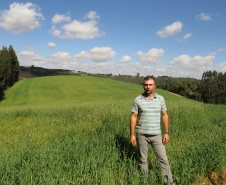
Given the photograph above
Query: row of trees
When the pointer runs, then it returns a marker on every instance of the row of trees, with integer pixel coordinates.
(213, 87)
(187, 87)
(9, 68)
(40, 71)
(210, 89)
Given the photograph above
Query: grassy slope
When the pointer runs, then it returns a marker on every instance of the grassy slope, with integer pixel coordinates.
(55, 120)
(67, 89)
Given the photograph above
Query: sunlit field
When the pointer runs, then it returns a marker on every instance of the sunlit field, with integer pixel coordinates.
(75, 130)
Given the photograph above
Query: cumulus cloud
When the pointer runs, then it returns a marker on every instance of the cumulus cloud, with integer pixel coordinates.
(28, 58)
(107, 67)
(154, 55)
(51, 45)
(97, 54)
(197, 63)
(76, 29)
(31, 55)
(222, 67)
(21, 18)
(204, 17)
(125, 59)
(97, 59)
(145, 70)
(170, 30)
(61, 56)
(64, 60)
(60, 18)
(187, 36)
(61, 60)
(92, 15)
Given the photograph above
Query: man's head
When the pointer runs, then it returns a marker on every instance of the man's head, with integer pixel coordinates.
(149, 85)
(149, 78)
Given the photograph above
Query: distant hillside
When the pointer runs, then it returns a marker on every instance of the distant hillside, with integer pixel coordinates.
(31, 72)
(210, 89)
(163, 82)
(67, 90)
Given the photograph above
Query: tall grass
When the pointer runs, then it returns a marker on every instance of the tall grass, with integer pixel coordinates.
(88, 143)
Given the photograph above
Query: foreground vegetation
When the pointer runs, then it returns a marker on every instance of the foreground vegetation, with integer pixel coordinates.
(75, 130)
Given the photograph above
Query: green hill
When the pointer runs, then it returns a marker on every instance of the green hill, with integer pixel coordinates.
(75, 130)
(67, 90)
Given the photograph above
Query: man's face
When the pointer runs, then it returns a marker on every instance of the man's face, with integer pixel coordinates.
(149, 86)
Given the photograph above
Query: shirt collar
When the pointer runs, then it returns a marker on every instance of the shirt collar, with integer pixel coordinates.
(144, 97)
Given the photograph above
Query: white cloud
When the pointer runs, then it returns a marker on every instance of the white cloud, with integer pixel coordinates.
(170, 30)
(104, 68)
(97, 54)
(222, 66)
(82, 56)
(125, 59)
(152, 56)
(204, 17)
(61, 56)
(60, 18)
(28, 58)
(79, 30)
(92, 15)
(197, 63)
(96, 61)
(31, 55)
(51, 45)
(21, 18)
(160, 69)
(187, 36)
(221, 50)
(62, 60)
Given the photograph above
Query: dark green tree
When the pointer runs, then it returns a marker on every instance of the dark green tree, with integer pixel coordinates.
(4, 65)
(222, 88)
(15, 67)
(213, 87)
(9, 69)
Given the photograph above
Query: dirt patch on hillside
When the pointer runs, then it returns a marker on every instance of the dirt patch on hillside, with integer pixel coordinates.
(213, 179)
(176, 94)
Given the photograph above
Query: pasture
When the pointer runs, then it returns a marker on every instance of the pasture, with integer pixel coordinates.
(75, 130)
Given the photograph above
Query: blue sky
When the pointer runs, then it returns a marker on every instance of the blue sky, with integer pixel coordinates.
(151, 37)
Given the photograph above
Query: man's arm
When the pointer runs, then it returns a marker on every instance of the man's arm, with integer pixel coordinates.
(133, 122)
(165, 120)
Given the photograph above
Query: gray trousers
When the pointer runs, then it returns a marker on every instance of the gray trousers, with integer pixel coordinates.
(160, 152)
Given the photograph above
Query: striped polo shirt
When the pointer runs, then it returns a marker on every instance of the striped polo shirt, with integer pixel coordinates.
(149, 113)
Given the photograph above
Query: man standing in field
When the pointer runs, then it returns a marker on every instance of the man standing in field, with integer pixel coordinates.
(147, 110)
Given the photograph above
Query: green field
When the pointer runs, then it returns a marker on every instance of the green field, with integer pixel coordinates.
(75, 130)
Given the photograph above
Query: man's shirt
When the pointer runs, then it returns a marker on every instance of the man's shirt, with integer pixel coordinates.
(149, 113)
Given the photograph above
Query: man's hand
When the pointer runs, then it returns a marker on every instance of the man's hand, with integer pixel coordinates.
(133, 140)
(133, 120)
(165, 138)
(165, 120)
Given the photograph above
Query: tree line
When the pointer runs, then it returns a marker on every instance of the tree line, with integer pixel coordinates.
(29, 72)
(213, 87)
(9, 68)
(210, 89)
